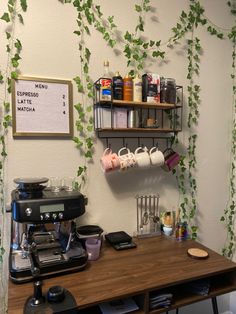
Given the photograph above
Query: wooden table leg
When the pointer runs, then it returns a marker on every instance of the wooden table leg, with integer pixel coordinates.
(214, 305)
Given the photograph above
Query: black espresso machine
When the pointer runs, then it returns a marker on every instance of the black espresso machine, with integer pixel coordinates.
(43, 241)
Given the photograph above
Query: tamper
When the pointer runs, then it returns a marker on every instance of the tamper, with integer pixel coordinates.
(56, 294)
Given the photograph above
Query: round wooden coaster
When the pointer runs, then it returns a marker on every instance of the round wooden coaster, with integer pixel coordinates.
(197, 253)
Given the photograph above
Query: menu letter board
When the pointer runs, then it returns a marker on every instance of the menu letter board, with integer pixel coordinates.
(42, 107)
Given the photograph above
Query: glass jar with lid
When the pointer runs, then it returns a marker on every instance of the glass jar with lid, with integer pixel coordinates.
(168, 91)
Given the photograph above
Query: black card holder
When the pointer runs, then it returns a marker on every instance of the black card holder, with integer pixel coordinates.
(120, 240)
(118, 237)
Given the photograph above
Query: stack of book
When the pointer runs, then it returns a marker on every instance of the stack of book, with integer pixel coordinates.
(200, 287)
(107, 118)
(157, 301)
(121, 306)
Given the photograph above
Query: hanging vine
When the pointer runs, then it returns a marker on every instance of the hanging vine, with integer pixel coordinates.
(229, 212)
(136, 49)
(186, 173)
(84, 123)
(13, 50)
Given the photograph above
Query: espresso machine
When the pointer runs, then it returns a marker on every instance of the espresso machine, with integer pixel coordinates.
(43, 241)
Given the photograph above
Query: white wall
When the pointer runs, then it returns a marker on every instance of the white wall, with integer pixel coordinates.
(50, 49)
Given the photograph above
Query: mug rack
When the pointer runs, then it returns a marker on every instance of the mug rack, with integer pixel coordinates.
(154, 140)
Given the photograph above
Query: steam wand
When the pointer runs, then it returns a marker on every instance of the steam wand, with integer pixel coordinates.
(37, 299)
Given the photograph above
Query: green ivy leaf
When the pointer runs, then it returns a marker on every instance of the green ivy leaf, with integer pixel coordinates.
(138, 8)
(90, 128)
(88, 154)
(20, 17)
(5, 17)
(77, 33)
(80, 171)
(6, 106)
(18, 45)
(128, 36)
(8, 35)
(14, 75)
(2, 251)
(87, 54)
(98, 8)
(23, 4)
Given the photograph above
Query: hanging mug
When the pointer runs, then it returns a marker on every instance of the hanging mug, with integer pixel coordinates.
(156, 156)
(172, 159)
(126, 160)
(109, 160)
(142, 157)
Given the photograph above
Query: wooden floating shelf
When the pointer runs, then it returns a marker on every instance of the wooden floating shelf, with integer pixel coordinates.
(145, 130)
(141, 104)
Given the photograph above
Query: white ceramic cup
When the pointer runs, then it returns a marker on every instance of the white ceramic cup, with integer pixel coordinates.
(127, 160)
(142, 157)
(156, 156)
(167, 230)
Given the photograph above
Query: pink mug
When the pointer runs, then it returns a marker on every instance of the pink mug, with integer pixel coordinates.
(109, 161)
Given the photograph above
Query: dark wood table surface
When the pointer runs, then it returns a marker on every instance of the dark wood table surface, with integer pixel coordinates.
(156, 263)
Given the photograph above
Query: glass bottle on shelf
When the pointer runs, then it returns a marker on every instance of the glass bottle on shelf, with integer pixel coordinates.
(117, 86)
(137, 88)
(105, 83)
(128, 88)
(168, 90)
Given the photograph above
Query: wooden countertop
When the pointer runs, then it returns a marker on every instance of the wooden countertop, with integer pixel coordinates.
(156, 263)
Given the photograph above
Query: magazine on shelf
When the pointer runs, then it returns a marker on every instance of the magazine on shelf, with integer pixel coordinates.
(118, 306)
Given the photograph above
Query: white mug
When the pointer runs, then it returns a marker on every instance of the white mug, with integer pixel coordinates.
(142, 157)
(127, 160)
(156, 156)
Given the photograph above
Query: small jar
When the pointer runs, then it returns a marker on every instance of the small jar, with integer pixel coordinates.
(168, 91)
(181, 231)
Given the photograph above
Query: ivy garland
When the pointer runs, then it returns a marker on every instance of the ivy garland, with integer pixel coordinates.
(137, 50)
(228, 218)
(13, 50)
(185, 174)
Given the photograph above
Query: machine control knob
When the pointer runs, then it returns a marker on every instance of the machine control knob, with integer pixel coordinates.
(28, 211)
(54, 216)
(60, 215)
(41, 217)
(47, 216)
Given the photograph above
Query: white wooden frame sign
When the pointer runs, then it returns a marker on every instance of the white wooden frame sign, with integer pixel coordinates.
(42, 107)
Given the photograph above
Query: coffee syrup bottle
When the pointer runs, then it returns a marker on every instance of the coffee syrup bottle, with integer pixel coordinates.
(105, 83)
(128, 88)
(137, 88)
(117, 86)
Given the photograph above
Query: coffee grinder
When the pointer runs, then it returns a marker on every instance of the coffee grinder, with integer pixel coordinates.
(43, 241)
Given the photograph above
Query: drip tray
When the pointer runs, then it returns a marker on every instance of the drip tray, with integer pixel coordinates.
(50, 256)
(19, 262)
